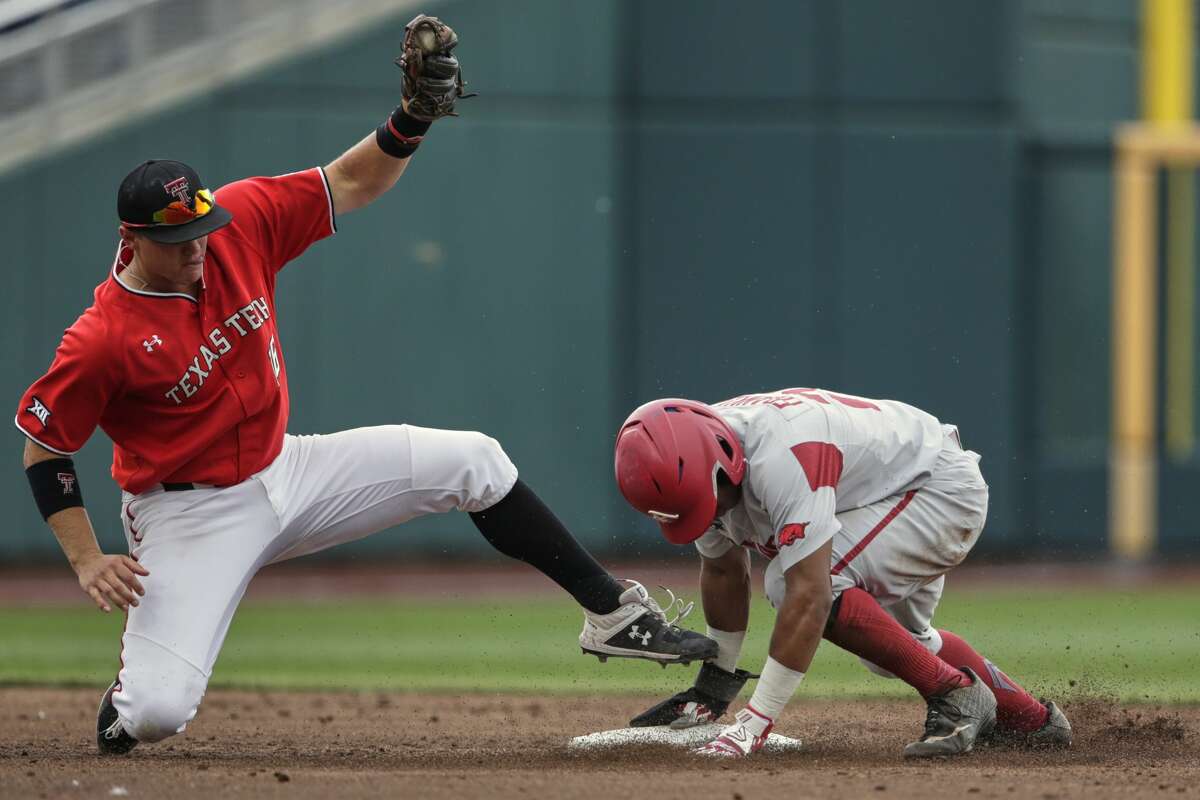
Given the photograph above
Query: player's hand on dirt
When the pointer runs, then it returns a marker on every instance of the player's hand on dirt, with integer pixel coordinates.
(433, 80)
(111, 581)
(745, 736)
(705, 702)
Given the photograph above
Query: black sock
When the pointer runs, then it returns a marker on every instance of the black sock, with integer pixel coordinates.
(522, 527)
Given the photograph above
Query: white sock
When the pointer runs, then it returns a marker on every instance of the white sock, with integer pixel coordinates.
(775, 688)
(729, 647)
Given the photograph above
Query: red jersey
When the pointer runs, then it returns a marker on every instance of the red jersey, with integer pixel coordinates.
(188, 389)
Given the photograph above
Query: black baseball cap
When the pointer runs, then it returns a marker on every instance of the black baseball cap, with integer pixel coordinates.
(166, 202)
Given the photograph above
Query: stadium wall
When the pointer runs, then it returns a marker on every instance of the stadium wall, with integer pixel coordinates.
(668, 198)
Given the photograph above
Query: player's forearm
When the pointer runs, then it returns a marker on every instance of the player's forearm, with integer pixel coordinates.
(362, 174)
(800, 621)
(73, 529)
(71, 526)
(725, 594)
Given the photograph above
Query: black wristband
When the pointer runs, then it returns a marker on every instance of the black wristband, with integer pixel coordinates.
(55, 485)
(400, 135)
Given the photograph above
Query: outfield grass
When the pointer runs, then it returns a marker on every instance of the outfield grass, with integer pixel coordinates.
(1139, 646)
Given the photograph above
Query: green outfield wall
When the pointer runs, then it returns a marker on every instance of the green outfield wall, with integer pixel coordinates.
(669, 198)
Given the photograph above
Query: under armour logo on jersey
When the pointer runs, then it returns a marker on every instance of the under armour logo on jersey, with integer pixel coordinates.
(645, 636)
(68, 482)
(151, 343)
(39, 410)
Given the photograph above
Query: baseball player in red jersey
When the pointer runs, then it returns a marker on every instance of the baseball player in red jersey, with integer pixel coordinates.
(861, 507)
(179, 360)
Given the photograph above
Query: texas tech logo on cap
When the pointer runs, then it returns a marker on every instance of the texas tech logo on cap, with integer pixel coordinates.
(179, 189)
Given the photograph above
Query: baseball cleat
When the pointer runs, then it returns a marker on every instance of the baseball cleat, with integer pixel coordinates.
(639, 628)
(110, 736)
(1055, 733)
(955, 720)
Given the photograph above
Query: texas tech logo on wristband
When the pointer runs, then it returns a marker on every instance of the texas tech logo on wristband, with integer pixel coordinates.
(67, 479)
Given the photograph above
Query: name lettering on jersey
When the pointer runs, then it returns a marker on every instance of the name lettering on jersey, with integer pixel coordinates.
(244, 321)
(795, 397)
(39, 410)
(254, 314)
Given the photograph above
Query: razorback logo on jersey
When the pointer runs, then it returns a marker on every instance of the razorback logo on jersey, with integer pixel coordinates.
(792, 534)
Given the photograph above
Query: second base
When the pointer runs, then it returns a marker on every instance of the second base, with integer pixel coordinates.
(662, 734)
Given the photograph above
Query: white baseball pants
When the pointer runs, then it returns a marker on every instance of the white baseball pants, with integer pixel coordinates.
(202, 546)
(899, 549)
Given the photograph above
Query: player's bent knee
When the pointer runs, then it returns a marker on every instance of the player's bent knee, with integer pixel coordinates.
(164, 714)
(159, 691)
(489, 473)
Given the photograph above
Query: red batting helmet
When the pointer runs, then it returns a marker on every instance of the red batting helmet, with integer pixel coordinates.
(668, 454)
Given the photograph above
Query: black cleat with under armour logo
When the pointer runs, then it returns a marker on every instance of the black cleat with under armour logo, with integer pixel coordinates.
(639, 628)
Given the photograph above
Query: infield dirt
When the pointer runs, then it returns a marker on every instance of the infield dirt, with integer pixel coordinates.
(248, 744)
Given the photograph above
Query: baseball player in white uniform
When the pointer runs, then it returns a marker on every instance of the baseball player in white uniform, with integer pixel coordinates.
(861, 507)
(179, 360)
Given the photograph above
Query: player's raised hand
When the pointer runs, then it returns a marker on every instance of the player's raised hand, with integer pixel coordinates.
(433, 80)
(111, 580)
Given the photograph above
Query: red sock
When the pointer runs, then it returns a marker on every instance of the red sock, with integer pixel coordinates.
(865, 629)
(1016, 709)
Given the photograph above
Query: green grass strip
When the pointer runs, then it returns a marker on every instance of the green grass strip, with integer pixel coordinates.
(1137, 646)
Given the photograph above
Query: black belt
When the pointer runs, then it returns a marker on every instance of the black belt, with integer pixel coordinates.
(178, 487)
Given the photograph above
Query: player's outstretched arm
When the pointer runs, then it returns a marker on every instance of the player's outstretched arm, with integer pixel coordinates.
(799, 623)
(801, 619)
(108, 579)
(432, 84)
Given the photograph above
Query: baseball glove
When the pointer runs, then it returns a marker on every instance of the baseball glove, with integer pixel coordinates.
(432, 78)
(705, 702)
